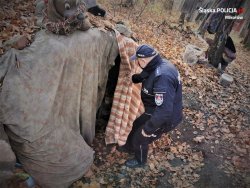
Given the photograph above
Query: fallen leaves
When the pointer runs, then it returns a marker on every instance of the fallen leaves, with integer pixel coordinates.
(16, 19)
(184, 175)
(80, 184)
(239, 162)
(110, 170)
(218, 116)
(199, 139)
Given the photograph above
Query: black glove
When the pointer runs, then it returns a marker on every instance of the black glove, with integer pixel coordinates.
(137, 78)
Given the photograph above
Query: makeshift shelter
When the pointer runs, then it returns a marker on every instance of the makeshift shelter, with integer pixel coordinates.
(50, 94)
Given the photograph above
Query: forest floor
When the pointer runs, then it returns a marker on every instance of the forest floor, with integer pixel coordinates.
(210, 148)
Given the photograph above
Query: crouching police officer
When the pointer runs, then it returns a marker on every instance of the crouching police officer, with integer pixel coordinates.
(161, 95)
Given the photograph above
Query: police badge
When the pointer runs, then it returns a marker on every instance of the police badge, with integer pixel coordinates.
(158, 99)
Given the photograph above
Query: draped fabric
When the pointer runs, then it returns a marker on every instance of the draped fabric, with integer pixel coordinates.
(127, 104)
(50, 95)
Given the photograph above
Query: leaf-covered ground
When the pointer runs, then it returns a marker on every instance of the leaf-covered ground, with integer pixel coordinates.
(211, 146)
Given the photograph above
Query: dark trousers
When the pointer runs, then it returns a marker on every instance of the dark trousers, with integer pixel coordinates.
(138, 143)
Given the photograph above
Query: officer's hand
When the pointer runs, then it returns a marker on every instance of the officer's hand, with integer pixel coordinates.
(136, 78)
(146, 135)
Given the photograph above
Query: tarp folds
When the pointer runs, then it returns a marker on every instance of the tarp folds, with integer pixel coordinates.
(50, 95)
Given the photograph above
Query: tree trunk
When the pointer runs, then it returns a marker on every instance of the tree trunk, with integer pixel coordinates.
(203, 26)
(177, 4)
(168, 5)
(216, 49)
(246, 40)
(246, 15)
(129, 3)
(243, 30)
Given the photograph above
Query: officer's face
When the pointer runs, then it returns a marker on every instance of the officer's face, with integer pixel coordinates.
(142, 62)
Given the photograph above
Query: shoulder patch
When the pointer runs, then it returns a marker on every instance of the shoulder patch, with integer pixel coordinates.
(158, 99)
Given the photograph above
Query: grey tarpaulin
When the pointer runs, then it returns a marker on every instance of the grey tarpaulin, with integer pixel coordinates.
(50, 95)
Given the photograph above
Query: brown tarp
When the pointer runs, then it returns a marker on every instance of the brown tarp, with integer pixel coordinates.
(49, 99)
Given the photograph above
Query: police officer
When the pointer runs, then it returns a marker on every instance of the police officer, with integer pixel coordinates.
(161, 95)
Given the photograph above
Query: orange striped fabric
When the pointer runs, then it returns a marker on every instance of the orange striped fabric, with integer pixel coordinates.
(127, 104)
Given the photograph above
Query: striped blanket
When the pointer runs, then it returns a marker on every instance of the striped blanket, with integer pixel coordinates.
(127, 104)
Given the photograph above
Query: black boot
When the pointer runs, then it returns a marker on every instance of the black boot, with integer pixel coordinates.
(125, 149)
(133, 163)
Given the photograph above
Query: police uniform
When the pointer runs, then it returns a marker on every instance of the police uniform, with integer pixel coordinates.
(161, 95)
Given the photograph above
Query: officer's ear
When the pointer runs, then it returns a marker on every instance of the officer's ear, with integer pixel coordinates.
(143, 60)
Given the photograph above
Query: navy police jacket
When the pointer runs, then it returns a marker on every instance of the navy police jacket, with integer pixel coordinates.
(161, 95)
